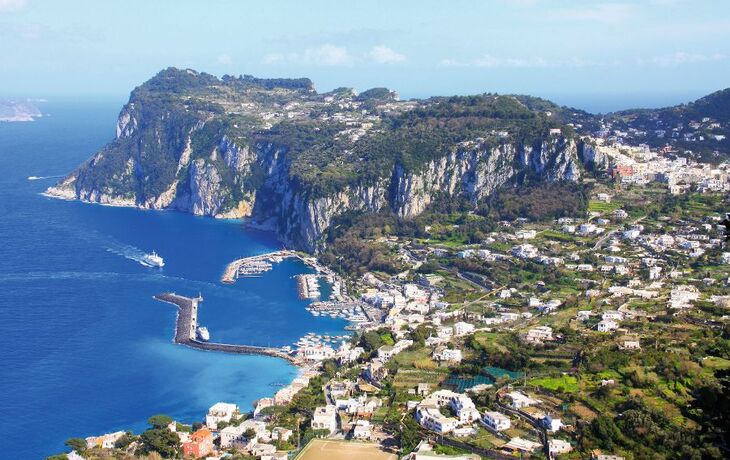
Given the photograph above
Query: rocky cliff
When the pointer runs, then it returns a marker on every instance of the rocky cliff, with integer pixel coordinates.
(290, 158)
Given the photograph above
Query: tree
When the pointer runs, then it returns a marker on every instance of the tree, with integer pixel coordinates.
(58, 457)
(77, 444)
(160, 440)
(159, 421)
(124, 441)
(409, 435)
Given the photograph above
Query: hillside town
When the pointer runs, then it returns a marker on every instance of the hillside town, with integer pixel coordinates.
(518, 345)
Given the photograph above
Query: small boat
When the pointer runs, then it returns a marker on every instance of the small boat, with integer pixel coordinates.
(203, 333)
(153, 260)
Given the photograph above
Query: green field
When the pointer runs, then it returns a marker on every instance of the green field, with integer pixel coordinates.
(566, 383)
(602, 206)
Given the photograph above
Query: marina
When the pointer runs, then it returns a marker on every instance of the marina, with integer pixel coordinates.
(351, 311)
(308, 287)
(253, 266)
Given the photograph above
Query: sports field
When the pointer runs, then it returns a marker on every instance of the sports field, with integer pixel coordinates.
(326, 449)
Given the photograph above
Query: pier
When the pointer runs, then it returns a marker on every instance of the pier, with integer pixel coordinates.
(254, 265)
(251, 266)
(187, 322)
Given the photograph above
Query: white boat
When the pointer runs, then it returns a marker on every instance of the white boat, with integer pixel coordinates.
(153, 260)
(203, 333)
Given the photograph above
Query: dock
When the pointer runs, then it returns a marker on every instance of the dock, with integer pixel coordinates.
(187, 322)
(254, 265)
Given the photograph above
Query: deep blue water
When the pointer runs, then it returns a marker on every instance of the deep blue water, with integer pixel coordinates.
(84, 348)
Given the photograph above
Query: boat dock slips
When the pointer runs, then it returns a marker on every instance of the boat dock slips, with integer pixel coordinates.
(187, 322)
(253, 265)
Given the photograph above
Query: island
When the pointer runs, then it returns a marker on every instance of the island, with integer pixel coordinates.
(19, 111)
(521, 279)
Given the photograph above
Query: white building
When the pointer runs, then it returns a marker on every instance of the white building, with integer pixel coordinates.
(613, 315)
(231, 435)
(520, 400)
(526, 234)
(462, 328)
(606, 325)
(587, 229)
(220, 412)
(525, 251)
(551, 424)
(325, 418)
(316, 352)
(682, 296)
(447, 355)
(559, 446)
(432, 419)
(583, 315)
(539, 334)
(386, 352)
(496, 421)
(428, 412)
(362, 430)
(105, 441)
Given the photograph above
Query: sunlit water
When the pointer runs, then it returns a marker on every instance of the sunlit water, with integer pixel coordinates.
(84, 348)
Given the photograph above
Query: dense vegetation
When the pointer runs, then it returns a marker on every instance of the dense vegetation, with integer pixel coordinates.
(537, 202)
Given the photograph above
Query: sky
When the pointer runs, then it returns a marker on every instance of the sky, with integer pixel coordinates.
(599, 55)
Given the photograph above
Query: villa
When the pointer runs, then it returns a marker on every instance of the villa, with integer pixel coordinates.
(220, 412)
(496, 421)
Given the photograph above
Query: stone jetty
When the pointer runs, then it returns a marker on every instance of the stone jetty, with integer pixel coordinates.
(187, 323)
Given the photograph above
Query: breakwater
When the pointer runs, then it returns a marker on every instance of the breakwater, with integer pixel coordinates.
(254, 265)
(187, 322)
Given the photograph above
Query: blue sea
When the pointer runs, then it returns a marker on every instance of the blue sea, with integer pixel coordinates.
(84, 348)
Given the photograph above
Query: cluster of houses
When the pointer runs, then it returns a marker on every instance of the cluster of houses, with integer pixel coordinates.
(639, 165)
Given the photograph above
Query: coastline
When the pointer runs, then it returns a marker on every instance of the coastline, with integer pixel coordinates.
(56, 193)
(303, 368)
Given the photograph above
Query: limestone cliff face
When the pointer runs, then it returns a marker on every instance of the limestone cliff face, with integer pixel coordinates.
(205, 183)
(471, 170)
(190, 142)
(593, 159)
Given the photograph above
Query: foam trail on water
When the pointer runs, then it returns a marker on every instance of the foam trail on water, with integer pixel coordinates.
(44, 177)
(128, 251)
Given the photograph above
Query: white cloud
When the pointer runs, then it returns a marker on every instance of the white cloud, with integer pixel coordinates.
(9, 6)
(325, 55)
(225, 59)
(384, 55)
(679, 58)
(491, 61)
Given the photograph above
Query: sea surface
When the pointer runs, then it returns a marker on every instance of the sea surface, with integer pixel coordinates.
(84, 349)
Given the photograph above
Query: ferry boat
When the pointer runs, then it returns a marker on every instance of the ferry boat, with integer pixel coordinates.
(153, 260)
(203, 333)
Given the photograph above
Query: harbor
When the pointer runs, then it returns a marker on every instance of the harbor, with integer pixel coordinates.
(186, 330)
(254, 265)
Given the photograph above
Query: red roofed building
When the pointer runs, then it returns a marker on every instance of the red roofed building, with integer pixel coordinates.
(200, 444)
(622, 170)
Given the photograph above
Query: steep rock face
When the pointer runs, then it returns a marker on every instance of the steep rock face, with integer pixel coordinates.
(152, 165)
(592, 159)
(300, 219)
(276, 151)
(212, 185)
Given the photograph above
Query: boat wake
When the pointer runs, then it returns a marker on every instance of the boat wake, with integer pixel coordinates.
(129, 252)
(44, 177)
